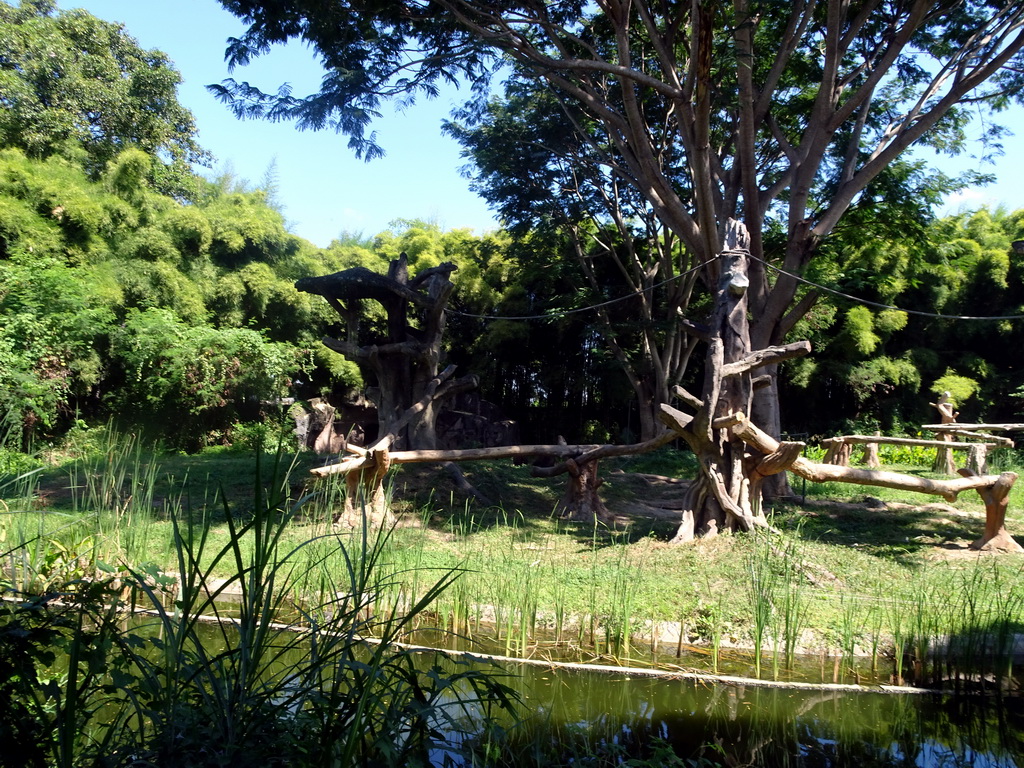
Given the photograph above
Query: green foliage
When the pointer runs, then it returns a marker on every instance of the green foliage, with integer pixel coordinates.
(81, 258)
(881, 374)
(859, 328)
(963, 265)
(174, 366)
(80, 88)
(960, 388)
(53, 319)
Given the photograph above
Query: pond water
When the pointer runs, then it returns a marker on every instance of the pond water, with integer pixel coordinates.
(759, 726)
(576, 711)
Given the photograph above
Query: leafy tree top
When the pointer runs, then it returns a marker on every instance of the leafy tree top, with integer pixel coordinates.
(779, 114)
(76, 86)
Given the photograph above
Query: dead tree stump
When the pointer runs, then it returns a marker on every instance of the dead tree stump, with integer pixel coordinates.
(365, 498)
(944, 456)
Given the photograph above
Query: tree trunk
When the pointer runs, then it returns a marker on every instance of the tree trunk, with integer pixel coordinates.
(944, 462)
(650, 395)
(405, 364)
(727, 493)
(581, 501)
(766, 412)
(406, 361)
(719, 499)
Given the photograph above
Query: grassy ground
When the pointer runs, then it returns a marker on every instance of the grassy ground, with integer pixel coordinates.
(854, 569)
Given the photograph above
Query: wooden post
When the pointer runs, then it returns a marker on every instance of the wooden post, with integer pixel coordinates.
(365, 498)
(996, 498)
(581, 501)
(977, 458)
(943, 456)
(871, 454)
(838, 452)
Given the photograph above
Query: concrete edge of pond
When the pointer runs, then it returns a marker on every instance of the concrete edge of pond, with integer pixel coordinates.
(608, 669)
(611, 669)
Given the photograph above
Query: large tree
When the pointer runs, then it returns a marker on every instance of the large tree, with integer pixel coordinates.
(776, 113)
(547, 168)
(75, 86)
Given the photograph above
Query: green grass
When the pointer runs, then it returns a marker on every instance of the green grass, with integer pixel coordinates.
(841, 576)
(82, 682)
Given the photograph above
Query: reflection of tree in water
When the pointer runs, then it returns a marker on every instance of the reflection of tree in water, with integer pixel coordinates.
(755, 726)
(827, 729)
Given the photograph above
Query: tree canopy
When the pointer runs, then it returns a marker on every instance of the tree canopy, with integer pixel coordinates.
(786, 116)
(75, 86)
(119, 291)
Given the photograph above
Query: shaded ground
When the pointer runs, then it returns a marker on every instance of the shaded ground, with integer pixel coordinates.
(643, 502)
(647, 503)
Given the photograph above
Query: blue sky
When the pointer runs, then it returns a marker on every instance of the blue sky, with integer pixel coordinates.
(323, 189)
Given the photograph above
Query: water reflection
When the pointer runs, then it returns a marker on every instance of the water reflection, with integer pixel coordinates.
(576, 713)
(758, 726)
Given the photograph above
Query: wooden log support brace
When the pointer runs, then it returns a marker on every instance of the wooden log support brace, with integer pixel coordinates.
(780, 460)
(365, 497)
(871, 453)
(997, 499)
(767, 356)
(993, 489)
(837, 451)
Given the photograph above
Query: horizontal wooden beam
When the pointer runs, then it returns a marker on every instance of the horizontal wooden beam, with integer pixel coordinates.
(864, 439)
(965, 427)
(824, 473)
(466, 454)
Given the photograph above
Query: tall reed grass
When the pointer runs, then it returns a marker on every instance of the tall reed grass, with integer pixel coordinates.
(215, 675)
(528, 585)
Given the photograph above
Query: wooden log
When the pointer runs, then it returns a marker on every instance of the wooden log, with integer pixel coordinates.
(993, 489)
(871, 453)
(582, 453)
(967, 427)
(838, 451)
(996, 498)
(780, 459)
(365, 500)
(977, 458)
(947, 415)
(823, 473)
(674, 419)
(690, 399)
(767, 356)
(968, 434)
(868, 439)
(607, 451)
(465, 454)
